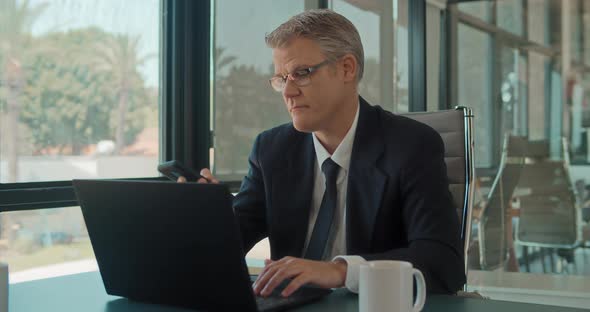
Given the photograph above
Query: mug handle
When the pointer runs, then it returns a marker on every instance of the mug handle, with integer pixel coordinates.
(420, 291)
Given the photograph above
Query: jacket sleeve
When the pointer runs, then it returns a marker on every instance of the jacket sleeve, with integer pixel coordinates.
(249, 204)
(430, 219)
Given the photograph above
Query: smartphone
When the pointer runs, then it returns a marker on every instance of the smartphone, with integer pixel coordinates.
(174, 169)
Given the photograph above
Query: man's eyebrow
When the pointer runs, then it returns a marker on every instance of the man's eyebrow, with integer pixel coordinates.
(301, 66)
(281, 74)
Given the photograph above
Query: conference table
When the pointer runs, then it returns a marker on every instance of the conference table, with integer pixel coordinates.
(85, 292)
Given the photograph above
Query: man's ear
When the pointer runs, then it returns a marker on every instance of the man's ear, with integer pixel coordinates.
(349, 67)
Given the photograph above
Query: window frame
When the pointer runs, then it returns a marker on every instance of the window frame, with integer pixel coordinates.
(184, 120)
(185, 103)
(500, 37)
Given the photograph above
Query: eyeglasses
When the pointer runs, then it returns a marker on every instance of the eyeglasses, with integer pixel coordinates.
(301, 77)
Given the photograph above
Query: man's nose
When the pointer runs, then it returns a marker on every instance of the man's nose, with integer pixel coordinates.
(291, 89)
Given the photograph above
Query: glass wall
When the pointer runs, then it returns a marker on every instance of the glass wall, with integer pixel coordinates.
(479, 9)
(79, 91)
(244, 104)
(522, 66)
(383, 28)
(474, 79)
(509, 16)
(44, 243)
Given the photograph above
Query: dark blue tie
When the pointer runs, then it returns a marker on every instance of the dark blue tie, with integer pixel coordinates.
(323, 222)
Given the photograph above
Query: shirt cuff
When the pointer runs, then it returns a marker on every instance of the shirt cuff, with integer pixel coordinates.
(352, 271)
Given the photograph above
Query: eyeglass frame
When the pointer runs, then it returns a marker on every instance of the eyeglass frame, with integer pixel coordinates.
(289, 76)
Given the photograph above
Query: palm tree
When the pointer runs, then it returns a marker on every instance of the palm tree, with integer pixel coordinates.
(16, 19)
(119, 57)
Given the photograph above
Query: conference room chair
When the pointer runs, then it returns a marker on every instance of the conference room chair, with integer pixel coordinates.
(456, 130)
(494, 227)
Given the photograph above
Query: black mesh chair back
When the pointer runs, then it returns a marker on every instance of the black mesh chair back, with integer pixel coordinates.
(456, 130)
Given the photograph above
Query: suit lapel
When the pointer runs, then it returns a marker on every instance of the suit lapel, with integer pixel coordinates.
(366, 182)
(292, 188)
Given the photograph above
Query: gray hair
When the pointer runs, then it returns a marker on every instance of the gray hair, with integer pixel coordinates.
(334, 33)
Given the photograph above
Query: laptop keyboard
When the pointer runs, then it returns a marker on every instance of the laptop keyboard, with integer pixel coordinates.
(276, 302)
(273, 303)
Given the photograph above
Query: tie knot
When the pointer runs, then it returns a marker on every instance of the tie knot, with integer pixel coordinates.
(330, 169)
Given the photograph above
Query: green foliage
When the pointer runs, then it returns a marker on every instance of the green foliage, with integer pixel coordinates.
(16, 18)
(70, 99)
(64, 102)
(69, 89)
(245, 105)
(118, 56)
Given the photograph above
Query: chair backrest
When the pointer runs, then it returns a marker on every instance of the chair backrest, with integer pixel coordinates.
(456, 130)
(548, 208)
(492, 234)
(546, 198)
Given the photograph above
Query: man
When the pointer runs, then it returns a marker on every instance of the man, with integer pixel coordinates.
(345, 182)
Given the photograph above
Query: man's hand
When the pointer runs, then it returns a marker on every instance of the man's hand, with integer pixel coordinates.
(207, 177)
(323, 274)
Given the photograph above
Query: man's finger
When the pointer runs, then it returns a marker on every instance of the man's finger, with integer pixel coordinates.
(285, 260)
(295, 284)
(202, 181)
(267, 266)
(263, 278)
(269, 270)
(206, 173)
(181, 179)
(279, 276)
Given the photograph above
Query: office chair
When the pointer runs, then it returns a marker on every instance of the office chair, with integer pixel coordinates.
(456, 130)
(492, 228)
(548, 212)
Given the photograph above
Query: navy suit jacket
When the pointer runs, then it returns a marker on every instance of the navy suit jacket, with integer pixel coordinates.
(398, 203)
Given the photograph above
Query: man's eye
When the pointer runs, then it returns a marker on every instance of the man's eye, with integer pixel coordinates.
(300, 73)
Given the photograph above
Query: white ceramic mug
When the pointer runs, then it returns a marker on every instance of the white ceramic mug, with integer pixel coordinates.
(3, 287)
(388, 285)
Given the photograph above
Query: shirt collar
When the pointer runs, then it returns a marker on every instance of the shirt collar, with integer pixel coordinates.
(342, 153)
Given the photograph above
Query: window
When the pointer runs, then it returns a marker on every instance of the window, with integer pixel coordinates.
(512, 93)
(244, 104)
(384, 33)
(576, 22)
(538, 22)
(79, 92)
(509, 16)
(538, 96)
(45, 243)
(479, 9)
(79, 98)
(474, 87)
(523, 72)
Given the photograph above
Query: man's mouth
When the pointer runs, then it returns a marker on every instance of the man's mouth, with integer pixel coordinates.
(298, 107)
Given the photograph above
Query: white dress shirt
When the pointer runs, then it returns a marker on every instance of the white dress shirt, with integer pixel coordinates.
(336, 247)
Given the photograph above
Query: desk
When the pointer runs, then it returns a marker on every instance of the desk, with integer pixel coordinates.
(85, 292)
